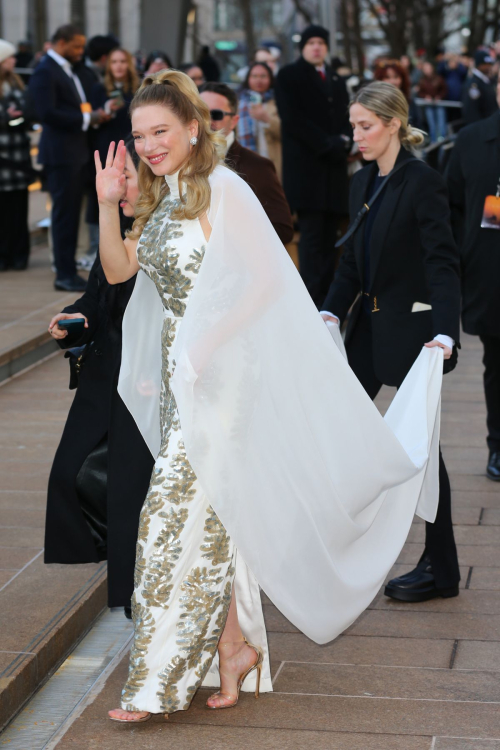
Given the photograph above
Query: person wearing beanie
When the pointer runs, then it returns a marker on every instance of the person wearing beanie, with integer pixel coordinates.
(16, 171)
(312, 102)
(479, 97)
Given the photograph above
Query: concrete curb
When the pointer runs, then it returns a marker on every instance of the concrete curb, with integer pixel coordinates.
(51, 645)
(27, 353)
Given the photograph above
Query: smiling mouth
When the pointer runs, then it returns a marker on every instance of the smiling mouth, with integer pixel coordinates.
(157, 158)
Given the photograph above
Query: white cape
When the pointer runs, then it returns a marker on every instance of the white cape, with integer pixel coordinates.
(316, 488)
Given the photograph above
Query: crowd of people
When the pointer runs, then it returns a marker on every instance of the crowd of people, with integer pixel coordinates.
(218, 380)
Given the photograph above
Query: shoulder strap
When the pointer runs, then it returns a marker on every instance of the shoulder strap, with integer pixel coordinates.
(366, 206)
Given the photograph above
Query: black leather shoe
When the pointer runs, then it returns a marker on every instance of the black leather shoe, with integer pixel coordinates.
(493, 468)
(128, 612)
(4, 266)
(19, 265)
(74, 284)
(418, 585)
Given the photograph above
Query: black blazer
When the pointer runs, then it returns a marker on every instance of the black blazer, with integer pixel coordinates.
(57, 107)
(118, 128)
(413, 258)
(314, 114)
(474, 173)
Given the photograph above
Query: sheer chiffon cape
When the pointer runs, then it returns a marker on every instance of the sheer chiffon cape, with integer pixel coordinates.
(316, 488)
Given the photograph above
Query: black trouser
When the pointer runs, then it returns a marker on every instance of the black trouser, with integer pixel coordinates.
(14, 237)
(491, 377)
(439, 539)
(317, 253)
(66, 185)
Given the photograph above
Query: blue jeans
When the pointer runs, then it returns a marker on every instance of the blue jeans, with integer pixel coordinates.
(436, 120)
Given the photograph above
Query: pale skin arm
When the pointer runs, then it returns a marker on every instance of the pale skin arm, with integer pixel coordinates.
(429, 345)
(118, 257)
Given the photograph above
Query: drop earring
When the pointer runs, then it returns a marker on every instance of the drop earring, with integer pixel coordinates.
(193, 141)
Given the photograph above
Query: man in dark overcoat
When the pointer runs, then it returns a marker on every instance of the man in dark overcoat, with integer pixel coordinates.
(474, 174)
(61, 107)
(316, 136)
(479, 96)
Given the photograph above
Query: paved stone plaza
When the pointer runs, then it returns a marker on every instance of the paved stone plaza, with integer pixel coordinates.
(403, 677)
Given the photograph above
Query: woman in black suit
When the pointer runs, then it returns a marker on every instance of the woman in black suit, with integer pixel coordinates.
(402, 265)
(102, 467)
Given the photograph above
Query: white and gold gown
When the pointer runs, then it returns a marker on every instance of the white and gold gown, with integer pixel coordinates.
(260, 450)
(186, 562)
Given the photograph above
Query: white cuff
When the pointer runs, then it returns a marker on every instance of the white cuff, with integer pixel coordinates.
(446, 340)
(325, 312)
(86, 121)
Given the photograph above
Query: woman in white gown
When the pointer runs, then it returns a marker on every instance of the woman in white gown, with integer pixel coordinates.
(226, 368)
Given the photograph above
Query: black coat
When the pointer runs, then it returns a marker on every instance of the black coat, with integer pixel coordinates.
(474, 173)
(57, 107)
(98, 411)
(314, 115)
(413, 258)
(479, 100)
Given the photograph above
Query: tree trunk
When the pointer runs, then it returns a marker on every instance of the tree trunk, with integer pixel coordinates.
(346, 31)
(358, 41)
(248, 27)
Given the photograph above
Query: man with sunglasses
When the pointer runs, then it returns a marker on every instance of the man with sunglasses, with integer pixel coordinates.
(257, 171)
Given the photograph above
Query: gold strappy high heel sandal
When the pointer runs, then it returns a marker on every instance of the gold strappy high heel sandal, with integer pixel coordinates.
(257, 665)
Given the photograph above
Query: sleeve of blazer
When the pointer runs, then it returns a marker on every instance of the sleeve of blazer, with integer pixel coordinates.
(98, 96)
(456, 190)
(270, 193)
(440, 254)
(87, 305)
(318, 141)
(48, 110)
(347, 283)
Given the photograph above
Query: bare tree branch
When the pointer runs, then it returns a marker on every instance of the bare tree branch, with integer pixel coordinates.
(304, 12)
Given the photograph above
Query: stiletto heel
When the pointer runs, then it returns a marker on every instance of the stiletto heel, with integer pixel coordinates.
(241, 679)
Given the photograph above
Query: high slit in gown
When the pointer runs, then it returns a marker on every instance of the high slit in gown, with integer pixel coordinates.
(186, 562)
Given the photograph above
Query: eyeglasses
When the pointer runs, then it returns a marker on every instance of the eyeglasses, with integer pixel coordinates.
(219, 114)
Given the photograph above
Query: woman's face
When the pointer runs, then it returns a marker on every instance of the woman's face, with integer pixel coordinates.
(161, 139)
(428, 69)
(156, 66)
(259, 80)
(127, 203)
(9, 64)
(392, 76)
(371, 134)
(118, 65)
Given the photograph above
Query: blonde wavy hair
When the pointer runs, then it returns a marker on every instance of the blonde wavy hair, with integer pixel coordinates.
(388, 102)
(177, 92)
(131, 83)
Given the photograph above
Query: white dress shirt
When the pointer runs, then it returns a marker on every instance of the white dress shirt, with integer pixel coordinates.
(66, 66)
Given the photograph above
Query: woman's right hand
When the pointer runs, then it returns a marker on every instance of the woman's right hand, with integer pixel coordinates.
(60, 333)
(110, 179)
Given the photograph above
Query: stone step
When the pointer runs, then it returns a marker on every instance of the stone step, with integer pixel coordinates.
(44, 609)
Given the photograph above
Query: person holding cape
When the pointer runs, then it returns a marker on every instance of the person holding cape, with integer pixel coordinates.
(404, 264)
(254, 418)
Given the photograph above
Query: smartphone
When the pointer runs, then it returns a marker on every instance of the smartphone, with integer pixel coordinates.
(117, 96)
(72, 325)
(255, 97)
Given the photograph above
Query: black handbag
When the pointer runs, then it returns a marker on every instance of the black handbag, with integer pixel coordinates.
(76, 357)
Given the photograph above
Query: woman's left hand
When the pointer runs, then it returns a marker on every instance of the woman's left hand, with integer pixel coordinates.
(446, 349)
(259, 112)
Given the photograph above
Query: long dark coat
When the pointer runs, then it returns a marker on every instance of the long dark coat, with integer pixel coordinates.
(98, 411)
(474, 173)
(413, 258)
(314, 114)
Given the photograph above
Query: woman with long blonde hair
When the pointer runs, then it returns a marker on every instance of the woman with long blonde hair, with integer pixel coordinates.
(255, 421)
